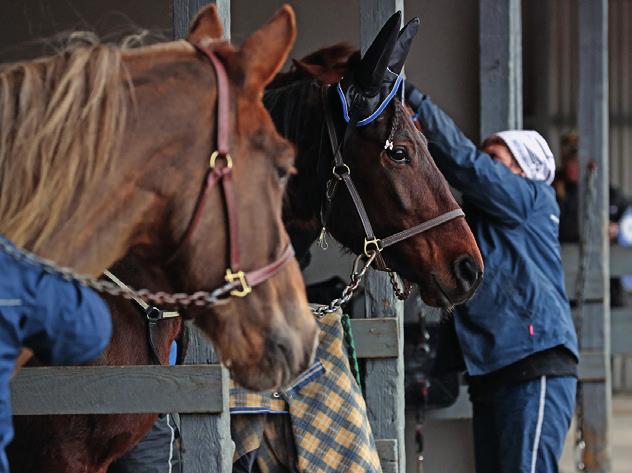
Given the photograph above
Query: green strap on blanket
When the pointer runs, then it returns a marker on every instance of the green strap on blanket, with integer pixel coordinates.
(351, 348)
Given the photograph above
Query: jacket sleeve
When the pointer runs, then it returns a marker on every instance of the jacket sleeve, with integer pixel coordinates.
(490, 186)
(71, 323)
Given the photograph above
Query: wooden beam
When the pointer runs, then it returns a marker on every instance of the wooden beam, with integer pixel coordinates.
(500, 65)
(117, 389)
(621, 331)
(388, 453)
(206, 441)
(620, 259)
(594, 318)
(376, 338)
(384, 379)
(183, 11)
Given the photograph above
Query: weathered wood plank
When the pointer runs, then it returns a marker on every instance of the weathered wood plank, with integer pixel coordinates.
(592, 366)
(500, 65)
(117, 389)
(373, 14)
(620, 260)
(384, 379)
(594, 323)
(386, 449)
(621, 331)
(376, 338)
(206, 442)
(183, 11)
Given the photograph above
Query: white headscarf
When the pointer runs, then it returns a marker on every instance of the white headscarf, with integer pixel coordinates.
(531, 151)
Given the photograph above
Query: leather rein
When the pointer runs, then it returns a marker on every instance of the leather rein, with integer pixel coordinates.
(342, 173)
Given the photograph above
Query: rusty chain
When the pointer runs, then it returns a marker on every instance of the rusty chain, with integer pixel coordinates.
(402, 294)
(347, 292)
(160, 298)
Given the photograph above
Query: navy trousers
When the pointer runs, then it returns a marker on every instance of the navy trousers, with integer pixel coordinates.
(521, 428)
(158, 452)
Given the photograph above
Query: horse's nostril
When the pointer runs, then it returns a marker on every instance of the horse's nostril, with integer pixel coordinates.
(467, 272)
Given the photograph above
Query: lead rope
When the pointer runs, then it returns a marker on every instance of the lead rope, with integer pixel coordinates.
(580, 286)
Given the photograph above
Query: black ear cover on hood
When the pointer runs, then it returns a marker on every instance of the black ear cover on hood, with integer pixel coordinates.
(377, 77)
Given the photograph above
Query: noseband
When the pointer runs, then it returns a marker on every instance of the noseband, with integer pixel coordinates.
(342, 173)
(221, 170)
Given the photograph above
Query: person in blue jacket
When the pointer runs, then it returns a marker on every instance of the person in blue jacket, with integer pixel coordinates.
(61, 322)
(516, 335)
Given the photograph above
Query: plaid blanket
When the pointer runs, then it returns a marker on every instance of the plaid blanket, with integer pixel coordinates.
(317, 425)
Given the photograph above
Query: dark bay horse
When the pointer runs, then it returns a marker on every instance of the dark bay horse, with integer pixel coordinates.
(398, 192)
(118, 183)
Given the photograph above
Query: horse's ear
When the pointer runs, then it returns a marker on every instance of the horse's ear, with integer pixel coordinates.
(376, 59)
(264, 52)
(402, 45)
(206, 27)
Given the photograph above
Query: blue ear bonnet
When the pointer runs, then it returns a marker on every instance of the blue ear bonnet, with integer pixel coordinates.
(381, 105)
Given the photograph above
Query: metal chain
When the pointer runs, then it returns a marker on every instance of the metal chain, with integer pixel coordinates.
(580, 286)
(198, 299)
(402, 294)
(347, 292)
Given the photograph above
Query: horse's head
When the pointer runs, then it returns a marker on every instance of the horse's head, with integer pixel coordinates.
(396, 178)
(267, 336)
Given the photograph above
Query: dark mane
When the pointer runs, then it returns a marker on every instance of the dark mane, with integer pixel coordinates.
(327, 64)
(289, 106)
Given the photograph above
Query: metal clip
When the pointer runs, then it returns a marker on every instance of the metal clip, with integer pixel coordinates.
(376, 242)
(340, 170)
(322, 239)
(240, 276)
(226, 157)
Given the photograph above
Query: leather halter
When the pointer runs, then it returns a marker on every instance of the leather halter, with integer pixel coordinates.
(223, 173)
(342, 172)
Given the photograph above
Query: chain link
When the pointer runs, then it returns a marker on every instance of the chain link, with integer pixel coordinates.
(197, 299)
(402, 294)
(347, 292)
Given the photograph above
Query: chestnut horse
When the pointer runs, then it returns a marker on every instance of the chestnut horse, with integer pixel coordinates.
(396, 195)
(127, 183)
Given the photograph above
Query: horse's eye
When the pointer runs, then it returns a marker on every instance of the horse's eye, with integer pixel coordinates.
(284, 173)
(398, 154)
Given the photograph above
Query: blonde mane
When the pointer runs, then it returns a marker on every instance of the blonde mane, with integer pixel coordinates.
(62, 120)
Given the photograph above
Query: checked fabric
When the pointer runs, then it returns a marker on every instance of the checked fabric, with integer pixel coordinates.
(317, 425)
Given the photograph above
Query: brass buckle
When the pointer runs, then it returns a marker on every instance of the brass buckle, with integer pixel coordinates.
(240, 276)
(226, 157)
(376, 242)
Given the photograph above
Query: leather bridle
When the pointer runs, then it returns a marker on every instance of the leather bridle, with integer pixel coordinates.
(342, 173)
(221, 170)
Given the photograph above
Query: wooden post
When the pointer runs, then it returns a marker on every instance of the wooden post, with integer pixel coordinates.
(594, 325)
(183, 11)
(206, 441)
(384, 379)
(501, 65)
